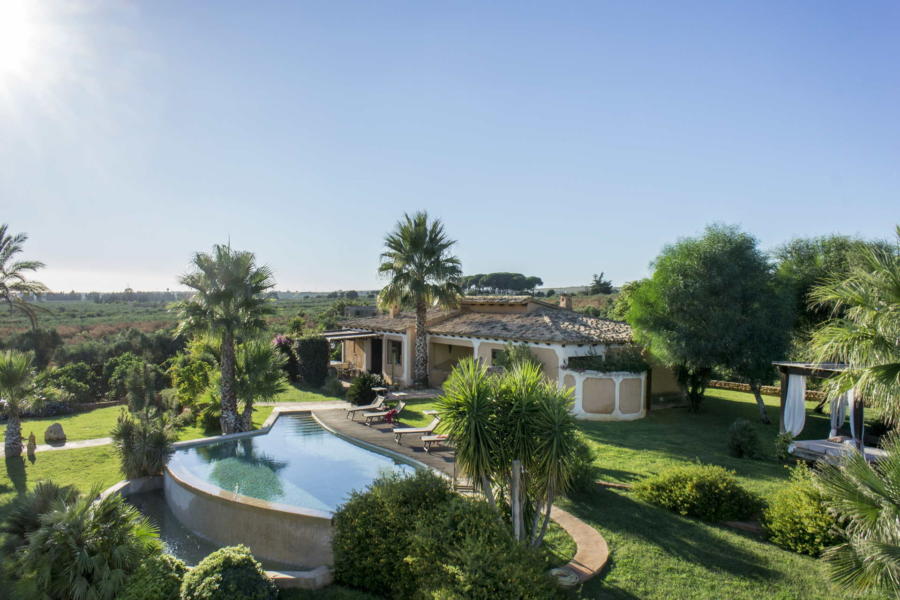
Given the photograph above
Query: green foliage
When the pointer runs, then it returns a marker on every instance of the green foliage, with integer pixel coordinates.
(360, 391)
(228, 574)
(143, 384)
(707, 492)
(158, 578)
(599, 285)
(743, 440)
(515, 354)
(622, 303)
(687, 313)
(782, 443)
(499, 283)
(15, 286)
(23, 516)
(333, 387)
(259, 376)
(463, 550)
(88, 549)
(313, 354)
(627, 359)
(143, 442)
(865, 500)
(115, 374)
(43, 342)
(584, 470)
(372, 531)
(77, 381)
(190, 373)
(796, 518)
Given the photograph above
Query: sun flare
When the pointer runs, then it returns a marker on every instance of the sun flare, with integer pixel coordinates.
(16, 36)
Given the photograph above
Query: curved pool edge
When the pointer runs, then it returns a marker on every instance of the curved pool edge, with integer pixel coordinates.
(312, 579)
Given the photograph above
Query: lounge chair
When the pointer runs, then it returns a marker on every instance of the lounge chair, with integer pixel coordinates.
(379, 415)
(399, 432)
(377, 405)
(430, 441)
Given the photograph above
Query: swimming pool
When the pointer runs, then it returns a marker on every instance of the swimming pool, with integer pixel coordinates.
(274, 492)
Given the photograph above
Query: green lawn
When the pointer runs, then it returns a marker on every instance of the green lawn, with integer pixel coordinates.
(298, 394)
(82, 426)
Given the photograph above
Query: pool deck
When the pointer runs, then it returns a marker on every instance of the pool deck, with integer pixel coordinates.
(592, 550)
(380, 435)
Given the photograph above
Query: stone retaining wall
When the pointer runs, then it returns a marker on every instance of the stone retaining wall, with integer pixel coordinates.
(766, 390)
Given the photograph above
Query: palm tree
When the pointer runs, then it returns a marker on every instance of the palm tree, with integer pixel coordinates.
(865, 498)
(14, 286)
(865, 328)
(16, 377)
(260, 368)
(422, 273)
(229, 303)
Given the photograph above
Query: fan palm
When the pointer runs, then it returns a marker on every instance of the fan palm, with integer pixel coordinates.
(865, 328)
(14, 286)
(229, 302)
(16, 382)
(260, 369)
(421, 273)
(865, 498)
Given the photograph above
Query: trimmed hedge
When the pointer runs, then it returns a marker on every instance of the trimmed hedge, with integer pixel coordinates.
(707, 492)
(796, 518)
(158, 578)
(228, 574)
(313, 354)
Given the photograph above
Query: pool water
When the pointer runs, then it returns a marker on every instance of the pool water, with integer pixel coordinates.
(298, 463)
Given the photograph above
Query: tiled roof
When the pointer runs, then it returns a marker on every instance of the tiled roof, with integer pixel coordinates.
(542, 325)
(495, 299)
(401, 322)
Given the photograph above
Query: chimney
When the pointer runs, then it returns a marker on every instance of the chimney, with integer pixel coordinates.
(565, 301)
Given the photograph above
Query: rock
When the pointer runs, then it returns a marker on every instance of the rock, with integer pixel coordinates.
(32, 444)
(55, 434)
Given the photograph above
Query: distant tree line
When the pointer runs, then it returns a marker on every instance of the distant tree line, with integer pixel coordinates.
(500, 283)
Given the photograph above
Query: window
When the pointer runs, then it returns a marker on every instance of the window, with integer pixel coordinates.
(396, 353)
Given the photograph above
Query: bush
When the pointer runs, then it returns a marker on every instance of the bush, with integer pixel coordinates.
(707, 492)
(333, 387)
(743, 441)
(158, 578)
(285, 346)
(372, 530)
(76, 380)
(360, 391)
(783, 441)
(796, 518)
(514, 354)
(313, 354)
(464, 551)
(144, 443)
(109, 537)
(584, 473)
(24, 513)
(228, 574)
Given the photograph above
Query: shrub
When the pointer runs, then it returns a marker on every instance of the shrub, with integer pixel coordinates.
(707, 492)
(76, 380)
(743, 441)
(143, 443)
(464, 551)
(115, 371)
(360, 391)
(109, 538)
(24, 513)
(514, 354)
(228, 574)
(584, 471)
(313, 353)
(796, 518)
(628, 359)
(783, 441)
(285, 346)
(333, 387)
(372, 530)
(158, 578)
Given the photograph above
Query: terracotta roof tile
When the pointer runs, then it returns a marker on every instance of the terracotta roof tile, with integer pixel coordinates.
(542, 325)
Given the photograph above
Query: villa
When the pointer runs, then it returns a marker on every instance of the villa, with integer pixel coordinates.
(482, 325)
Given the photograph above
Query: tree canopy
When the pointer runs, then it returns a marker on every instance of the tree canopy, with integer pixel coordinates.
(500, 283)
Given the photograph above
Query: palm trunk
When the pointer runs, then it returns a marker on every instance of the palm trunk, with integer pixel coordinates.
(421, 366)
(13, 438)
(763, 415)
(229, 419)
(538, 540)
(247, 421)
(516, 499)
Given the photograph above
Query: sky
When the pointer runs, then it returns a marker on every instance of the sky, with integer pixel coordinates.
(557, 139)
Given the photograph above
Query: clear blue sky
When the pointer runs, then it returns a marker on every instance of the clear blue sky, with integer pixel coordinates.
(554, 139)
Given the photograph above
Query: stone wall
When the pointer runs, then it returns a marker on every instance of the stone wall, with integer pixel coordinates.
(766, 390)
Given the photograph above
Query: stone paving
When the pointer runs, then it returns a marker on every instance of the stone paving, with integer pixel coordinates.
(67, 445)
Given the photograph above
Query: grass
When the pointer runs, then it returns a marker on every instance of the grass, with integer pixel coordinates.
(297, 394)
(195, 432)
(89, 425)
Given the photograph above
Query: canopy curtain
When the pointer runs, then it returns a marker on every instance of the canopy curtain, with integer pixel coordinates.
(795, 405)
(839, 411)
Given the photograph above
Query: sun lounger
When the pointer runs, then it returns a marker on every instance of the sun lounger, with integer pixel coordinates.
(379, 402)
(430, 441)
(399, 432)
(379, 415)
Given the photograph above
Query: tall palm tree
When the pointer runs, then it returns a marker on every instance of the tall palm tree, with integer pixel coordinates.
(865, 328)
(422, 273)
(260, 375)
(865, 498)
(14, 285)
(229, 303)
(16, 378)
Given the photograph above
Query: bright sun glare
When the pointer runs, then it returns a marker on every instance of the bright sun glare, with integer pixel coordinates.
(16, 36)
